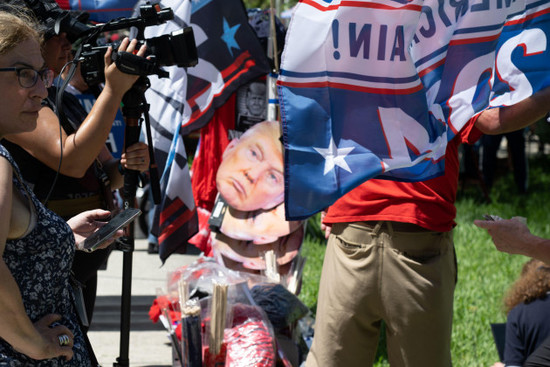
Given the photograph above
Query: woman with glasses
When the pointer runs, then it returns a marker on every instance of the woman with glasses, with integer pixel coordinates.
(27, 76)
(70, 169)
(38, 322)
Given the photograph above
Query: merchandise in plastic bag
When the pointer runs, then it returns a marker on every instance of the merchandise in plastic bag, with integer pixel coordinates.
(250, 342)
(201, 276)
(163, 304)
(249, 339)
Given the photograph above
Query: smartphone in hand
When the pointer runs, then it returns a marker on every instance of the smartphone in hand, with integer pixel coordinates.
(104, 233)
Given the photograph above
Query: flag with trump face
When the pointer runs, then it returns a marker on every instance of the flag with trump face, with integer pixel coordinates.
(376, 88)
(229, 56)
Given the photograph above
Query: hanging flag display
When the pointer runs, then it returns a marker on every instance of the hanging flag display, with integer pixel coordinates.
(230, 55)
(376, 88)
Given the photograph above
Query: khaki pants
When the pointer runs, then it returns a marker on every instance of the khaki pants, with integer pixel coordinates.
(375, 273)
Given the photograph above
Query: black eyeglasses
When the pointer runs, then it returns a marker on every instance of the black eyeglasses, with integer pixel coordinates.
(28, 76)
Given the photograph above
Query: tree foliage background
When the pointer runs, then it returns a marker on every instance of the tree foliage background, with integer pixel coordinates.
(263, 4)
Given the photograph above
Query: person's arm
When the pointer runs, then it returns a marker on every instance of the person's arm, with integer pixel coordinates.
(82, 147)
(38, 340)
(86, 223)
(510, 118)
(136, 157)
(513, 236)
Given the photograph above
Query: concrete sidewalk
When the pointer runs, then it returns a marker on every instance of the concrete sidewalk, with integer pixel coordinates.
(149, 343)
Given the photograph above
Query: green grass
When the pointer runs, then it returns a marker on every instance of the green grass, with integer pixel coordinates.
(484, 274)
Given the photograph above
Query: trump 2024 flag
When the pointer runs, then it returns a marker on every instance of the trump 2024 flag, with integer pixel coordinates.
(376, 88)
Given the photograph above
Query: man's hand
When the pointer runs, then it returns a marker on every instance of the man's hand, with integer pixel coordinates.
(509, 235)
(325, 227)
(513, 236)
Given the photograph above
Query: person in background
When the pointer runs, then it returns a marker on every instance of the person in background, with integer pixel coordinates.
(514, 237)
(528, 308)
(516, 148)
(81, 175)
(38, 322)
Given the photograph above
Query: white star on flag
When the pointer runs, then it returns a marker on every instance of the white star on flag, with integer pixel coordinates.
(334, 156)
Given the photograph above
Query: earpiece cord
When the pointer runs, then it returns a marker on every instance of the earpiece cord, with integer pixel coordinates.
(59, 113)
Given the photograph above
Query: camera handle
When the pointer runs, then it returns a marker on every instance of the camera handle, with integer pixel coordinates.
(134, 105)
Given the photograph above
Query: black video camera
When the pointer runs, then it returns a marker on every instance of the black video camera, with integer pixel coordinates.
(150, 14)
(177, 48)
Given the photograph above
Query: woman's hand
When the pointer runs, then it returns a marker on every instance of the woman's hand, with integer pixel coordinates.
(136, 157)
(86, 223)
(50, 345)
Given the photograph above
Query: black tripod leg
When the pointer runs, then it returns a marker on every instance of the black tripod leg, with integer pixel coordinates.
(133, 102)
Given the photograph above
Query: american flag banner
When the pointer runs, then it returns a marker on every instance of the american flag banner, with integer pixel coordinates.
(100, 11)
(230, 55)
(376, 88)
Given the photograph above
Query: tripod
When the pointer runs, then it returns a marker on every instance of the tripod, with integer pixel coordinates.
(134, 106)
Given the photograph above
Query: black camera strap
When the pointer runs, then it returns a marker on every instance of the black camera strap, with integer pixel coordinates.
(80, 309)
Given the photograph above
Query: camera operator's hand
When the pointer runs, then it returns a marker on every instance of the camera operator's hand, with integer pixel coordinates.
(136, 157)
(117, 82)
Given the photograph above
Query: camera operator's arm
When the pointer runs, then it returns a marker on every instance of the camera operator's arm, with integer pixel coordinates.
(82, 147)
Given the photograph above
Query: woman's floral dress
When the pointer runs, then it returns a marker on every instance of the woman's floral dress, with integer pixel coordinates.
(40, 263)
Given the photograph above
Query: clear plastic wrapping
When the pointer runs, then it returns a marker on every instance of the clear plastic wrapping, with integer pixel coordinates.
(224, 317)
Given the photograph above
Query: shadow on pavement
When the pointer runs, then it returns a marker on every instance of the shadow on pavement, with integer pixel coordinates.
(107, 314)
